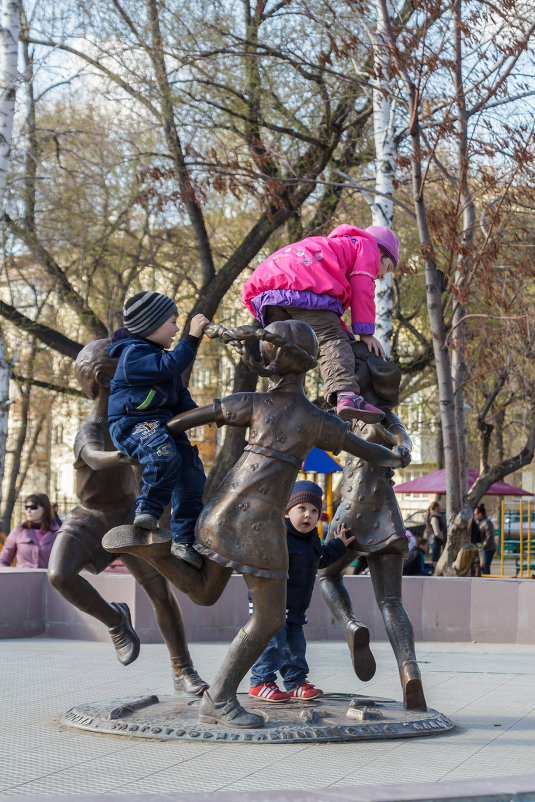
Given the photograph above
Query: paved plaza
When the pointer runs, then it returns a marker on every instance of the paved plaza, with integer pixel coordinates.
(488, 690)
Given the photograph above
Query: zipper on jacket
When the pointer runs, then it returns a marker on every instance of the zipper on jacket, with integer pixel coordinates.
(147, 401)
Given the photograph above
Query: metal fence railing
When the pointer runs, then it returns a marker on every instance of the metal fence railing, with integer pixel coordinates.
(516, 539)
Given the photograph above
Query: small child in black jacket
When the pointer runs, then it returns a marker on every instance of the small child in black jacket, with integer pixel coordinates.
(286, 650)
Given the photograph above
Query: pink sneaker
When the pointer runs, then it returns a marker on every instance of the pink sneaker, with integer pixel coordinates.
(306, 691)
(354, 407)
(269, 692)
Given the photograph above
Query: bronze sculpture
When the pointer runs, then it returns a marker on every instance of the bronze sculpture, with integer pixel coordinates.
(369, 508)
(106, 488)
(242, 527)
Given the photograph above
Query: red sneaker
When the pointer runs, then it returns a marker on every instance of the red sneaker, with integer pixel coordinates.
(269, 692)
(354, 407)
(306, 691)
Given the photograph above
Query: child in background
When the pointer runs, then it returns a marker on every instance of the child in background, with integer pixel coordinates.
(146, 392)
(286, 651)
(316, 280)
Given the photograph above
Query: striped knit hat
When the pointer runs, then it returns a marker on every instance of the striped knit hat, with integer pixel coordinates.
(146, 311)
(305, 491)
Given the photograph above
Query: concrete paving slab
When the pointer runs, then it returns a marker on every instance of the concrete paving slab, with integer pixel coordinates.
(488, 690)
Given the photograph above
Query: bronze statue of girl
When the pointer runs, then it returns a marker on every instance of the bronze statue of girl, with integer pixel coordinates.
(242, 526)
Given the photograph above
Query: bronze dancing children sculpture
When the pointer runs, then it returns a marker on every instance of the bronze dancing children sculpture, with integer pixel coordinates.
(369, 508)
(106, 488)
(242, 525)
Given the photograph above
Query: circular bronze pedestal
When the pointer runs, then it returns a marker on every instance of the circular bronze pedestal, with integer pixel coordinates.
(333, 717)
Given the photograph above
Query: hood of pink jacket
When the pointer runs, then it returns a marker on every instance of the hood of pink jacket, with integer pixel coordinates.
(322, 265)
(350, 231)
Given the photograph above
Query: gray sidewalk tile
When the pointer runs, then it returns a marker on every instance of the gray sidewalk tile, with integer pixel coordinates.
(477, 685)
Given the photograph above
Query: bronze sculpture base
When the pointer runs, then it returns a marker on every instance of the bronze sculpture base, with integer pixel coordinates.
(333, 717)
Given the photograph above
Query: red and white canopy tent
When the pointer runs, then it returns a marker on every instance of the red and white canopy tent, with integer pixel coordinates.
(435, 483)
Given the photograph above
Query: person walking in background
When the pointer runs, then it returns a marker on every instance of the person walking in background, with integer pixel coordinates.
(436, 530)
(488, 538)
(316, 280)
(30, 543)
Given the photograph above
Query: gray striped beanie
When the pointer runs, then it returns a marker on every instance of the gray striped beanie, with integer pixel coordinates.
(146, 311)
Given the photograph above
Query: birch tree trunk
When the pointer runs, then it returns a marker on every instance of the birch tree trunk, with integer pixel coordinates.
(464, 260)
(433, 282)
(9, 40)
(385, 159)
(5, 375)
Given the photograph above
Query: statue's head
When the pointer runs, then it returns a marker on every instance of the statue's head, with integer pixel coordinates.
(281, 360)
(94, 368)
(378, 378)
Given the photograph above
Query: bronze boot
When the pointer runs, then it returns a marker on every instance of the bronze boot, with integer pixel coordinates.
(186, 679)
(124, 637)
(358, 640)
(140, 542)
(229, 712)
(411, 682)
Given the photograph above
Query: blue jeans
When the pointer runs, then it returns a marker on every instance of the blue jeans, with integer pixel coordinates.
(487, 559)
(436, 550)
(284, 653)
(172, 472)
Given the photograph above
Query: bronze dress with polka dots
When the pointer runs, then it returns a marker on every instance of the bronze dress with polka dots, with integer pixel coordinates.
(368, 506)
(242, 525)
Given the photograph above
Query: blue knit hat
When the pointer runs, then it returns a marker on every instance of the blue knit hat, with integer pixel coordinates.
(305, 491)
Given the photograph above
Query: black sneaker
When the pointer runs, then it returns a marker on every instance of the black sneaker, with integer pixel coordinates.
(145, 520)
(186, 552)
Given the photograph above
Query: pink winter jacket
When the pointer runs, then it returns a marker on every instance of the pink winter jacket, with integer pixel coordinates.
(332, 272)
(22, 544)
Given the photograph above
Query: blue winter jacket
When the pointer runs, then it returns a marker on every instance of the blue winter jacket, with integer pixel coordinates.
(147, 381)
(306, 554)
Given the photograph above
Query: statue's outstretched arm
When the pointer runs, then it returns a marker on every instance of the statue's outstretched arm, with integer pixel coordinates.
(195, 417)
(99, 460)
(374, 453)
(393, 431)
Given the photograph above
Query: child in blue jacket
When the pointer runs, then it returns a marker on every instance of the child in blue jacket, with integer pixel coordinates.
(286, 651)
(145, 393)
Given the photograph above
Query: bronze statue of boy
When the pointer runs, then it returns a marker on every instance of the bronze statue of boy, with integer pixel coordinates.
(106, 488)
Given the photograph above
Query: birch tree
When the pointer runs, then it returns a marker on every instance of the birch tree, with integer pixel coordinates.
(9, 40)
(382, 207)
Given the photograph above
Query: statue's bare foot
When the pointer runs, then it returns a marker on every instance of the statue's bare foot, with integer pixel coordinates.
(358, 639)
(136, 540)
(186, 679)
(411, 682)
(230, 713)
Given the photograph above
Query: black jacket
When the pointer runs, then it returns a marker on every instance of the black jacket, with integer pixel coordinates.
(306, 554)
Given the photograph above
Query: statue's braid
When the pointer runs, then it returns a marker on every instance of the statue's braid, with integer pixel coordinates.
(237, 336)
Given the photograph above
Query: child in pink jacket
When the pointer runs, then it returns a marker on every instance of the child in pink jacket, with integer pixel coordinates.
(316, 280)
